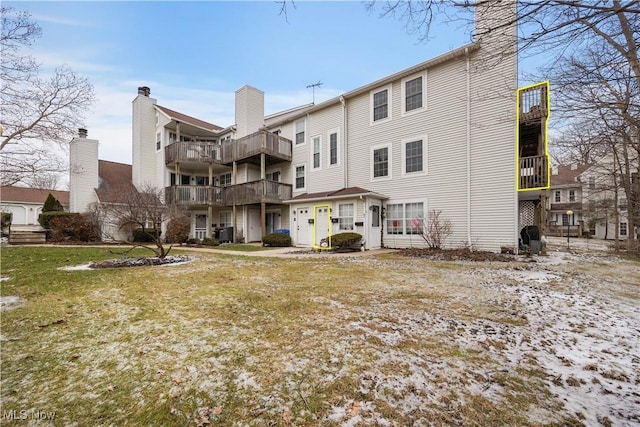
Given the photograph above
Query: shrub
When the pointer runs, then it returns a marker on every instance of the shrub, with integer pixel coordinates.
(7, 217)
(45, 217)
(178, 229)
(192, 241)
(145, 235)
(345, 240)
(207, 241)
(276, 240)
(75, 227)
(51, 204)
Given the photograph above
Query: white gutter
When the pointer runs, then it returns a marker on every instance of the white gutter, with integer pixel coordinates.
(345, 163)
(466, 51)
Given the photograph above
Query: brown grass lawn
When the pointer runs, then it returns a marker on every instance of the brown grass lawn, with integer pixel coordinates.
(319, 340)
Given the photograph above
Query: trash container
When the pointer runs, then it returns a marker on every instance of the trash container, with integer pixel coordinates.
(226, 234)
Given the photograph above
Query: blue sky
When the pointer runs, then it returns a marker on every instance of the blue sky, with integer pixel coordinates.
(194, 55)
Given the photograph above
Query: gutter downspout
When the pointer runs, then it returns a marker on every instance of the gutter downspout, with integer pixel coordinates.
(468, 71)
(345, 168)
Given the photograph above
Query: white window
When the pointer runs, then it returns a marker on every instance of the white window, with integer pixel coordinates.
(414, 156)
(300, 128)
(381, 162)
(623, 228)
(592, 182)
(273, 176)
(557, 196)
(300, 177)
(317, 149)
(404, 218)
(158, 141)
(565, 219)
(225, 219)
(622, 204)
(345, 214)
(572, 195)
(413, 94)
(225, 180)
(334, 149)
(380, 104)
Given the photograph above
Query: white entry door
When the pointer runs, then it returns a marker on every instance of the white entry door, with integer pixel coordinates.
(322, 225)
(374, 222)
(302, 226)
(254, 233)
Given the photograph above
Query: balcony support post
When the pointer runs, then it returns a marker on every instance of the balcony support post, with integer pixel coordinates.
(233, 223)
(209, 219)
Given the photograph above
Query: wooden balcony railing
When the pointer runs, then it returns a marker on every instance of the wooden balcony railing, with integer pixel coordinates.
(203, 152)
(533, 102)
(257, 143)
(256, 192)
(534, 172)
(240, 194)
(194, 195)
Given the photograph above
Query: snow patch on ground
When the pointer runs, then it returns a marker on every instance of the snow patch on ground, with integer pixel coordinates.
(10, 302)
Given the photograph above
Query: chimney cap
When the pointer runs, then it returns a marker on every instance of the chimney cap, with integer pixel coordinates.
(82, 132)
(144, 90)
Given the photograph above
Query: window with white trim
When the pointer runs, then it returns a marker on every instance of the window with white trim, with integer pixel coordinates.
(317, 148)
(158, 141)
(414, 156)
(300, 129)
(623, 228)
(572, 195)
(333, 148)
(404, 218)
(380, 104)
(225, 180)
(273, 176)
(345, 215)
(380, 162)
(413, 94)
(300, 176)
(225, 219)
(557, 196)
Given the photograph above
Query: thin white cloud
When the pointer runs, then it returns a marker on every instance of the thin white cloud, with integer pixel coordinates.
(61, 21)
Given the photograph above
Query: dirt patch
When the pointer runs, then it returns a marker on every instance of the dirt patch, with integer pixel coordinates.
(142, 261)
(456, 255)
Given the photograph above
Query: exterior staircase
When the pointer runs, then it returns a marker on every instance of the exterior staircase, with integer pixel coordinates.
(27, 234)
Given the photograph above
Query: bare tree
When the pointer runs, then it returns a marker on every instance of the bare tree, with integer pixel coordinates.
(31, 163)
(36, 108)
(434, 229)
(138, 212)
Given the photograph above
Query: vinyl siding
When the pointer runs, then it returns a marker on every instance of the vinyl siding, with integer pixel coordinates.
(83, 165)
(144, 142)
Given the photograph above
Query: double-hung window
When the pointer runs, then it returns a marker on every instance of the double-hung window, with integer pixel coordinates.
(317, 148)
(225, 180)
(300, 175)
(333, 148)
(413, 94)
(380, 162)
(380, 104)
(404, 218)
(300, 128)
(345, 213)
(572, 195)
(225, 219)
(623, 228)
(414, 156)
(557, 196)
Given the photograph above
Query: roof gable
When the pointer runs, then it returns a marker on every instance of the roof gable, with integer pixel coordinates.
(188, 119)
(11, 193)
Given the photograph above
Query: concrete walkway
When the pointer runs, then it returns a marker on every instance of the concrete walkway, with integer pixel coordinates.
(290, 252)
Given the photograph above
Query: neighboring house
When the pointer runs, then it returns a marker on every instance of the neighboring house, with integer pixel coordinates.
(96, 184)
(598, 205)
(437, 136)
(26, 203)
(566, 202)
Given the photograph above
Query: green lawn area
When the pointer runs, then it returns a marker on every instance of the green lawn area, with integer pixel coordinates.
(242, 340)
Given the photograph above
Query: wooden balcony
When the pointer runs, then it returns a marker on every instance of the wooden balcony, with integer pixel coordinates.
(194, 195)
(257, 192)
(534, 172)
(240, 194)
(534, 103)
(198, 152)
(249, 148)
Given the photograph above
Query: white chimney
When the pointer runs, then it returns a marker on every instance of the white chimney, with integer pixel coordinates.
(83, 171)
(249, 110)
